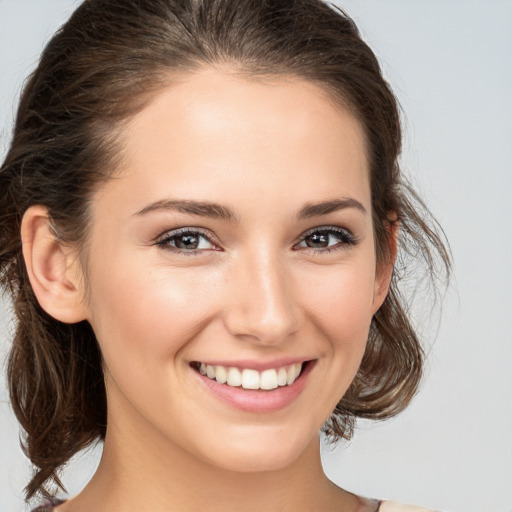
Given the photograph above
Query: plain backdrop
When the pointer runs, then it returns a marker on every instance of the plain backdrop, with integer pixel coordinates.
(450, 64)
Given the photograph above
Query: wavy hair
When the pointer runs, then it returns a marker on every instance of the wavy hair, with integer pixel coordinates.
(101, 68)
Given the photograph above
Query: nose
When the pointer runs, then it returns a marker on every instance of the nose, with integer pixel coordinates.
(263, 306)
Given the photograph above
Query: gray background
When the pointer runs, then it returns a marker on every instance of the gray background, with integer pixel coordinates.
(450, 64)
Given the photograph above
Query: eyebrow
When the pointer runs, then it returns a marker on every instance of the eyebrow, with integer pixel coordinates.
(325, 207)
(217, 211)
(202, 208)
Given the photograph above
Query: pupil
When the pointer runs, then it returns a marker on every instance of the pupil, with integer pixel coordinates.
(187, 242)
(317, 240)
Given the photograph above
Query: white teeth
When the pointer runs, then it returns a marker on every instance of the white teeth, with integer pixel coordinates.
(290, 377)
(252, 379)
(221, 375)
(234, 377)
(293, 372)
(268, 379)
(210, 371)
(282, 376)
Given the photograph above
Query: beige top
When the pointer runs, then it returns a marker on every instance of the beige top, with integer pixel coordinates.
(393, 506)
(369, 505)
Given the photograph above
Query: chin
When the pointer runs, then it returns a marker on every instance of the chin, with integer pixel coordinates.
(258, 453)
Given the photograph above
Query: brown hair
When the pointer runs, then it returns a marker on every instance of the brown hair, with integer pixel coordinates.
(97, 71)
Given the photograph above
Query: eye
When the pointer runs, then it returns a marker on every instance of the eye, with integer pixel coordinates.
(327, 239)
(186, 240)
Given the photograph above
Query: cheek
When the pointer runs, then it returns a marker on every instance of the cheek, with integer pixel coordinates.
(341, 301)
(141, 316)
(340, 313)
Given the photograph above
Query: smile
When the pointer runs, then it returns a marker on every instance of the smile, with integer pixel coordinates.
(252, 379)
(260, 391)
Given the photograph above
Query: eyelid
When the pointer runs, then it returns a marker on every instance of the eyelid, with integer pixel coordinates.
(168, 234)
(327, 227)
(343, 232)
(348, 239)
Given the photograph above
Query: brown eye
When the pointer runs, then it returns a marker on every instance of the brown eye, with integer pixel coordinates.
(185, 241)
(330, 238)
(317, 240)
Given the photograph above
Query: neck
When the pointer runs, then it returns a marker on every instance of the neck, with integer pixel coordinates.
(155, 474)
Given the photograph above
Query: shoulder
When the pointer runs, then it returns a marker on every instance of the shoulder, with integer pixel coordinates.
(393, 506)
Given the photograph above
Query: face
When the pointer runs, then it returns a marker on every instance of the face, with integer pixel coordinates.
(238, 235)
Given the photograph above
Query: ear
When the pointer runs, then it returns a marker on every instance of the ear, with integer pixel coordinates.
(384, 270)
(52, 267)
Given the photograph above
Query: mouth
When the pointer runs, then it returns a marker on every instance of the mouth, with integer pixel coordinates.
(251, 379)
(253, 391)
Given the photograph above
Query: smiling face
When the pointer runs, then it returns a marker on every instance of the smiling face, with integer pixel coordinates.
(238, 234)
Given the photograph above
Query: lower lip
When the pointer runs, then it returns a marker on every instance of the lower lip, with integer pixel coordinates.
(257, 400)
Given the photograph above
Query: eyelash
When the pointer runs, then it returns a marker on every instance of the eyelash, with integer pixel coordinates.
(164, 240)
(346, 238)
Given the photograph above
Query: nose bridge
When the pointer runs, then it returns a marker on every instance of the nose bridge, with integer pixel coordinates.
(263, 303)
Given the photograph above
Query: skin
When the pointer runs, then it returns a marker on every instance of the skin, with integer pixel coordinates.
(252, 290)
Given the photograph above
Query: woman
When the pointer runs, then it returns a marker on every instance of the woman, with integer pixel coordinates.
(202, 211)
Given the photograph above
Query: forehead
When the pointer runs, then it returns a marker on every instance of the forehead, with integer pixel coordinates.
(213, 133)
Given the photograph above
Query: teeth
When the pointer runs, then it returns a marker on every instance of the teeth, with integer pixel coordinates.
(293, 373)
(252, 379)
(282, 377)
(221, 375)
(234, 377)
(210, 371)
(268, 379)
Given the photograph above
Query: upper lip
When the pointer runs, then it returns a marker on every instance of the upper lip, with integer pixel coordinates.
(254, 364)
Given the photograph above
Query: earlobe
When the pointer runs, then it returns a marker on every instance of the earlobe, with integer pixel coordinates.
(384, 271)
(52, 268)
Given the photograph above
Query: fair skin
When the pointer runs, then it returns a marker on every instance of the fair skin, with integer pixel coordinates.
(278, 282)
